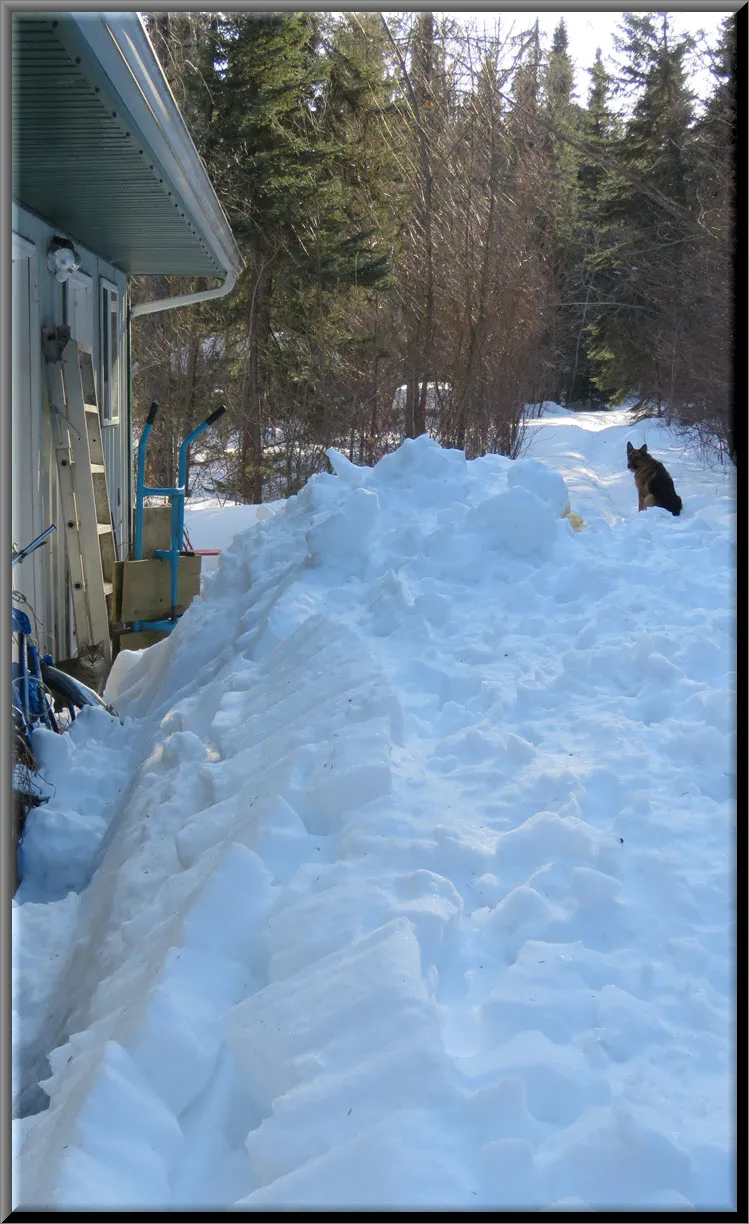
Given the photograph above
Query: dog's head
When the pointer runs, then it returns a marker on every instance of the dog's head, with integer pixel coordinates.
(635, 456)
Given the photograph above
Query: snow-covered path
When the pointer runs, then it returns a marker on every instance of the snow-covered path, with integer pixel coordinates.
(419, 883)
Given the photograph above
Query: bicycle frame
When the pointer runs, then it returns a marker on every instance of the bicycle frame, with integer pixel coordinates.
(29, 693)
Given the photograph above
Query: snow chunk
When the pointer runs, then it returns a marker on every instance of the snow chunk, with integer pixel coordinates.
(407, 458)
(537, 478)
(406, 1161)
(351, 473)
(610, 1156)
(117, 681)
(355, 771)
(333, 1012)
(341, 539)
(518, 520)
(109, 1144)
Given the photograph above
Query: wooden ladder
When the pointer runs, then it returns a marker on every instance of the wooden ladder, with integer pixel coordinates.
(89, 535)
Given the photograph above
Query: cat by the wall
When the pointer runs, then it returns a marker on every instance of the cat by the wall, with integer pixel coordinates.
(89, 666)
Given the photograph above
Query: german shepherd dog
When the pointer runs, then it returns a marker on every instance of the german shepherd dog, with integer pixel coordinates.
(654, 485)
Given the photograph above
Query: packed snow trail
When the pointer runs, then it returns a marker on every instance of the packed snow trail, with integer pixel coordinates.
(420, 893)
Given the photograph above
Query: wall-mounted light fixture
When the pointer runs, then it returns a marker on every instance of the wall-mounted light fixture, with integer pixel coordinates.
(63, 259)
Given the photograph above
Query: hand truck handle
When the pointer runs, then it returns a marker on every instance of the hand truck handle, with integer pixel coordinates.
(211, 420)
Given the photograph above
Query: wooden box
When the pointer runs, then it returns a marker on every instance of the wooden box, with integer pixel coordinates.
(140, 640)
(157, 529)
(143, 588)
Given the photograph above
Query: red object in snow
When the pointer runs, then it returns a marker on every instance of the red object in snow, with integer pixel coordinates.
(200, 552)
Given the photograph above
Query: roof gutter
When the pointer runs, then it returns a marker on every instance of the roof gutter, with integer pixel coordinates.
(184, 299)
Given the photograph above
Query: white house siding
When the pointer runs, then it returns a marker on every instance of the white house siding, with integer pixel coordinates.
(39, 299)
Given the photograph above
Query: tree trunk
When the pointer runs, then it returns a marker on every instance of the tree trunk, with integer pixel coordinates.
(192, 382)
(375, 400)
(576, 362)
(420, 418)
(250, 483)
(419, 90)
(424, 88)
(477, 330)
(412, 395)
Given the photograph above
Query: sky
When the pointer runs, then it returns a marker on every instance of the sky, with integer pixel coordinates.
(587, 31)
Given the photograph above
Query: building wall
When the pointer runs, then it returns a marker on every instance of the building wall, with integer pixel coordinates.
(38, 299)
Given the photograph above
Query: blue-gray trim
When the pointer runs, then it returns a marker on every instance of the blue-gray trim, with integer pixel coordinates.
(101, 150)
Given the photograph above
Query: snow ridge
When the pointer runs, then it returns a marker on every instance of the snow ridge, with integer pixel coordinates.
(420, 893)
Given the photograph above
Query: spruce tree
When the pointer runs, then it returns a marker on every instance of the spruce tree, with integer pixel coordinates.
(635, 335)
(357, 121)
(704, 399)
(599, 128)
(301, 233)
(562, 208)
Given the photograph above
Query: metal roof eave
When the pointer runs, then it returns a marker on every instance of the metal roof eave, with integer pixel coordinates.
(115, 48)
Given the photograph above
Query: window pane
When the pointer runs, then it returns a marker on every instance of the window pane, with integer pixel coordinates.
(110, 408)
(114, 399)
(105, 336)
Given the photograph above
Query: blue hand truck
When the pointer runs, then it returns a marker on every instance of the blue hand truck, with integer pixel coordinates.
(176, 497)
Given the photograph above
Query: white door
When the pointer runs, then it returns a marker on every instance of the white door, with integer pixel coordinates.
(26, 496)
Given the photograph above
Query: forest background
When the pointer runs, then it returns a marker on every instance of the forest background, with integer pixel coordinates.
(438, 235)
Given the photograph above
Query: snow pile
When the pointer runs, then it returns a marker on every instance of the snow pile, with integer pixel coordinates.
(420, 891)
(88, 772)
(79, 812)
(211, 525)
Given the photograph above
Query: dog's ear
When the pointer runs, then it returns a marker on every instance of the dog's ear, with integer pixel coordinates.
(630, 448)
(644, 448)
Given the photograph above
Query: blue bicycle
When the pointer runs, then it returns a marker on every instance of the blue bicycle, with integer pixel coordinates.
(32, 705)
(40, 692)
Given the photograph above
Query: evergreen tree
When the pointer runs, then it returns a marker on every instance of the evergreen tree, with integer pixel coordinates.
(358, 110)
(562, 113)
(635, 335)
(419, 112)
(599, 129)
(419, 203)
(302, 237)
(562, 208)
(703, 379)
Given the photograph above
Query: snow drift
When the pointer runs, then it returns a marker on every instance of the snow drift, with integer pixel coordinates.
(407, 880)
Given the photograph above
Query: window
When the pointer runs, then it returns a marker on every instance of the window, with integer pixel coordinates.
(110, 354)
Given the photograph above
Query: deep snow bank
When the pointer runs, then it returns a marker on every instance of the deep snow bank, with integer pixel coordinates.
(420, 893)
(210, 525)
